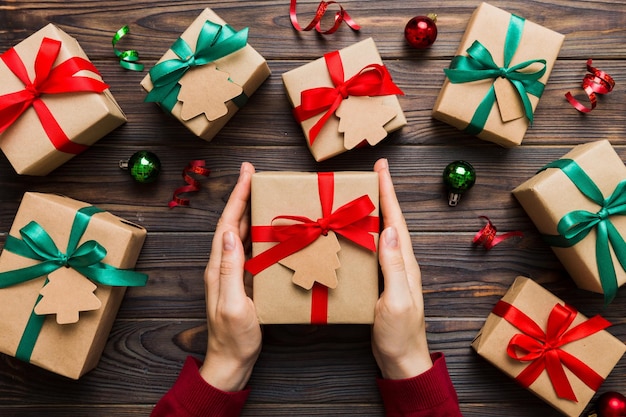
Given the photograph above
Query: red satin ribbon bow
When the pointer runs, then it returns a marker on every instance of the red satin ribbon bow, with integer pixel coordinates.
(48, 80)
(543, 349)
(352, 221)
(372, 80)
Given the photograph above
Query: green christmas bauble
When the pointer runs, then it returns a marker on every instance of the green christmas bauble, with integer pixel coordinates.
(458, 177)
(144, 166)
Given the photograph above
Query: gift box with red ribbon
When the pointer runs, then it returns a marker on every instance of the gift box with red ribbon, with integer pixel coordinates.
(53, 102)
(548, 347)
(207, 75)
(64, 270)
(344, 100)
(314, 247)
(494, 82)
(578, 204)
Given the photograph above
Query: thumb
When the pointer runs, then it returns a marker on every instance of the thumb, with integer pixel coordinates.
(231, 268)
(392, 265)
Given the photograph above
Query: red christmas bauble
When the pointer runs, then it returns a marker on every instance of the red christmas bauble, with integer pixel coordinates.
(611, 404)
(421, 31)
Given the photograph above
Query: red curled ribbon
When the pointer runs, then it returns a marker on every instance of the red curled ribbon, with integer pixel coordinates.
(352, 221)
(598, 82)
(543, 349)
(372, 80)
(340, 17)
(48, 80)
(195, 167)
(488, 235)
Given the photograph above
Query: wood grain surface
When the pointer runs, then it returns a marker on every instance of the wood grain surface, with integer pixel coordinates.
(309, 370)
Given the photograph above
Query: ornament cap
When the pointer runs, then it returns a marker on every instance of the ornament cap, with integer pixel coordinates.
(453, 199)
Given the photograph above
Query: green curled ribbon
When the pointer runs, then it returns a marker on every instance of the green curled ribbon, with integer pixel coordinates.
(128, 59)
(576, 225)
(214, 42)
(36, 243)
(479, 65)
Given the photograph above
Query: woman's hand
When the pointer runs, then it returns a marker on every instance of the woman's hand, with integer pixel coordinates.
(399, 332)
(234, 341)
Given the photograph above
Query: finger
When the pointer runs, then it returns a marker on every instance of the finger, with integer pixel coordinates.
(237, 204)
(393, 267)
(234, 218)
(231, 291)
(390, 208)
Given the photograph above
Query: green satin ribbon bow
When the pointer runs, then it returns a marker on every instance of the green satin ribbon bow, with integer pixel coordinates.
(214, 42)
(87, 258)
(576, 225)
(479, 65)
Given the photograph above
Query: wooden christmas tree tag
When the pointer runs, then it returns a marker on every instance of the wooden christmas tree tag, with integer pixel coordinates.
(509, 103)
(66, 294)
(205, 90)
(363, 118)
(317, 262)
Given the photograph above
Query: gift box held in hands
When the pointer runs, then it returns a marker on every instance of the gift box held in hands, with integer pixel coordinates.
(499, 73)
(548, 347)
(344, 99)
(314, 247)
(206, 75)
(577, 203)
(63, 272)
(53, 102)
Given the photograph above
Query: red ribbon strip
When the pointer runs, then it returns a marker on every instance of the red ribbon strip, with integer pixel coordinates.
(487, 236)
(352, 221)
(598, 82)
(48, 80)
(340, 17)
(195, 167)
(372, 80)
(543, 349)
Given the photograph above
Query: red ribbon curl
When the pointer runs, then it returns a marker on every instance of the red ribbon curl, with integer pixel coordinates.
(198, 167)
(352, 221)
(340, 17)
(48, 80)
(372, 80)
(488, 235)
(598, 82)
(543, 349)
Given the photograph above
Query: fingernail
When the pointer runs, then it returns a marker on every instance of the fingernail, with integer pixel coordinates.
(385, 163)
(391, 237)
(229, 241)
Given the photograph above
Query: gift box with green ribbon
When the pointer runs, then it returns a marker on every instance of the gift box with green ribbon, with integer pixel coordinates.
(314, 246)
(578, 204)
(344, 100)
(53, 102)
(208, 73)
(495, 81)
(64, 270)
(548, 347)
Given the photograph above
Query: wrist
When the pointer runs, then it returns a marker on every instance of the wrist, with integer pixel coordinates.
(407, 367)
(226, 375)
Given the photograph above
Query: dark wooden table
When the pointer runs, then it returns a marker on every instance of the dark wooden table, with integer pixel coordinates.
(307, 370)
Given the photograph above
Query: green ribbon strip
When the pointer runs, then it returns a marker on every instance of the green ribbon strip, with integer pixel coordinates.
(129, 58)
(87, 258)
(479, 65)
(214, 42)
(576, 225)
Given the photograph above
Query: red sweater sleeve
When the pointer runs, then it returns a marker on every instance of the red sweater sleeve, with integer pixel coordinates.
(192, 396)
(430, 394)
